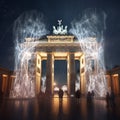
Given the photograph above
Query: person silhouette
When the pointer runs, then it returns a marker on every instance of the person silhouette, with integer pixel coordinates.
(60, 93)
(112, 99)
(93, 94)
(107, 99)
(89, 97)
(78, 94)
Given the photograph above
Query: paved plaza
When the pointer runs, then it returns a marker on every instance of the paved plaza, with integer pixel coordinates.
(51, 108)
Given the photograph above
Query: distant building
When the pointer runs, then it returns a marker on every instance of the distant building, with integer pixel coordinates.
(6, 78)
(113, 80)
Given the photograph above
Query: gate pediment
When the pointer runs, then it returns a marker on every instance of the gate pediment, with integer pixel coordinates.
(60, 38)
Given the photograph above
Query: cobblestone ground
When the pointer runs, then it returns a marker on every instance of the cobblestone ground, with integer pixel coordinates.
(54, 109)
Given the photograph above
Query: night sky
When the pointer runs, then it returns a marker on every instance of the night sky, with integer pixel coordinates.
(67, 10)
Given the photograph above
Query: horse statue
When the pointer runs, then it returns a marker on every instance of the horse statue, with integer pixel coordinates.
(59, 30)
(55, 31)
(64, 31)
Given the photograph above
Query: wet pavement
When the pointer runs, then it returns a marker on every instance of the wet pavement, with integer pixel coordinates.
(54, 109)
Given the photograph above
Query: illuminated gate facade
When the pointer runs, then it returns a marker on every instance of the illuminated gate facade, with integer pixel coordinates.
(60, 47)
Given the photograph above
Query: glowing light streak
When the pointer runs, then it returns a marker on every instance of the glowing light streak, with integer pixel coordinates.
(28, 25)
(89, 31)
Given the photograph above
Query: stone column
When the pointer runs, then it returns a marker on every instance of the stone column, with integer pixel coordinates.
(5, 84)
(38, 74)
(119, 83)
(8, 85)
(111, 81)
(49, 74)
(0, 84)
(83, 75)
(71, 70)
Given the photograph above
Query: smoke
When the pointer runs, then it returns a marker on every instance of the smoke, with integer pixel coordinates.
(29, 24)
(89, 30)
(90, 24)
(27, 31)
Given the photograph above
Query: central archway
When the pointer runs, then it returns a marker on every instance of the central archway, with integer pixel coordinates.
(69, 58)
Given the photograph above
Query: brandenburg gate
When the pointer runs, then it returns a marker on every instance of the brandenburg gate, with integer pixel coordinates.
(60, 47)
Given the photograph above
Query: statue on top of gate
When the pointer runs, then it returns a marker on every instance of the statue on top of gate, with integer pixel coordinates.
(59, 30)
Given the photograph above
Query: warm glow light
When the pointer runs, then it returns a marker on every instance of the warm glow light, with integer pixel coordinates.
(55, 84)
(5, 75)
(57, 105)
(56, 89)
(64, 88)
(115, 75)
